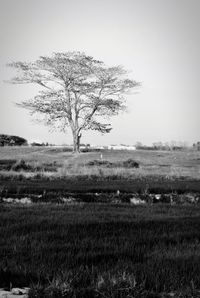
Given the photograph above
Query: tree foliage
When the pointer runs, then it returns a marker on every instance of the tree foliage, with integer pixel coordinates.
(77, 91)
(7, 140)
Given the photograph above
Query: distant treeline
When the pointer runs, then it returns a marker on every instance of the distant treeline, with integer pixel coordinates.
(10, 140)
(164, 148)
(173, 146)
(7, 140)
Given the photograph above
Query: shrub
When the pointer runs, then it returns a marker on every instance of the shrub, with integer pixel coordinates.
(6, 164)
(130, 163)
(21, 165)
(100, 163)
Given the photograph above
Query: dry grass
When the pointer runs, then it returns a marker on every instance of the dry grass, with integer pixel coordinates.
(167, 164)
(152, 163)
(34, 154)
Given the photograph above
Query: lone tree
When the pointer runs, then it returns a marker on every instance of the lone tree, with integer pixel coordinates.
(77, 91)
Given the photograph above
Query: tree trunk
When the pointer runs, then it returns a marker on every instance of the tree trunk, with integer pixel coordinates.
(76, 142)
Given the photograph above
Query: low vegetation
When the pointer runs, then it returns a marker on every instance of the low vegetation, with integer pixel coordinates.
(90, 250)
(130, 163)
(58, 163)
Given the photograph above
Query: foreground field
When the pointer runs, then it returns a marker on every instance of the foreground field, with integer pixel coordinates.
(101, 250)
(93, 249)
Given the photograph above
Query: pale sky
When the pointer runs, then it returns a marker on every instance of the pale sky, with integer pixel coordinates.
(158, 41)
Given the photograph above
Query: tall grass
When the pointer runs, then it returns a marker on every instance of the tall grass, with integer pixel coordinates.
(92, 247)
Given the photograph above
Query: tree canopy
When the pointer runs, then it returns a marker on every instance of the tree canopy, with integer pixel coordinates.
(77, 91)
(7, 140)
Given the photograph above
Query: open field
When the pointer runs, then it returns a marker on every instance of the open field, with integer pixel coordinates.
(56, 168)
(99, 250)
(103, 250)
(63, 163)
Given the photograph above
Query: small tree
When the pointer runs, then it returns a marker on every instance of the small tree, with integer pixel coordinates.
(77, 91)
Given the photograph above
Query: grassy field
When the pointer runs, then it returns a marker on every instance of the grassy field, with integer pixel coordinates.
(30, 169)
(102, 250)
(57, 162)
(99, 250)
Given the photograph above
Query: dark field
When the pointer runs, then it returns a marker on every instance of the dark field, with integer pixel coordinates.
(101, 250)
